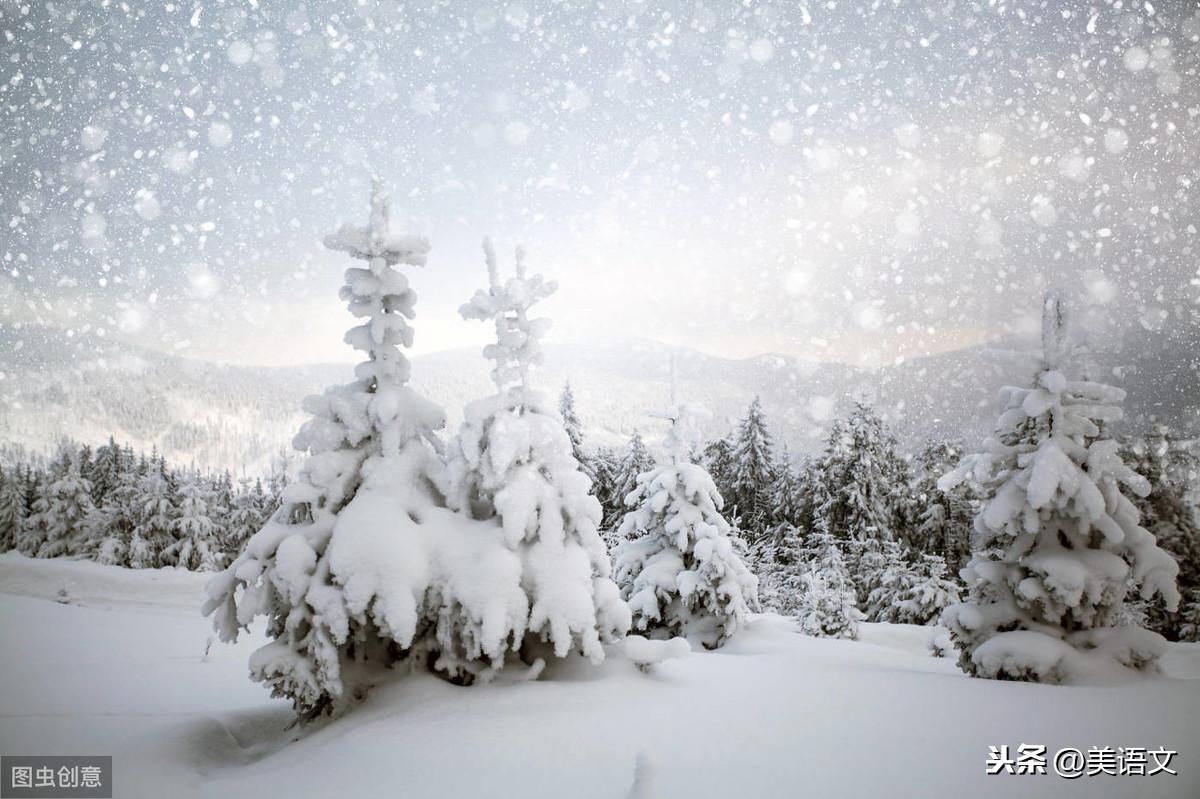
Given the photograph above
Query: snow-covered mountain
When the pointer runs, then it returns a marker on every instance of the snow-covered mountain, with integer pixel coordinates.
(217, 415)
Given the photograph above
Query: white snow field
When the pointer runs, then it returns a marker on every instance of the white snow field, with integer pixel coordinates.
(122, 670)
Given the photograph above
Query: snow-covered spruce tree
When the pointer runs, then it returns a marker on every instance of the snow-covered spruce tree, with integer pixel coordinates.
(827, 606)
(246, 518)
(513, 463)
(637, 461)
(606, 465)
(70, 502)
(574, 428)
(911, 592)
(34, 530)
(753, 472)
(194, 546)
(717, 458)
(106, 470)
(856, 479)
(888, 577)
(1165, 512)
(1069, 542)
(855, 494)
(681, 571)
(12, 509)
(787, 502)
(155, 519)
(340, 570)
(943, 518)
(777, 559)
(115, 525)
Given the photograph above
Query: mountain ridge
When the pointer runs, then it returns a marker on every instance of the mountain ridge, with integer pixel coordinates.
(240, 417)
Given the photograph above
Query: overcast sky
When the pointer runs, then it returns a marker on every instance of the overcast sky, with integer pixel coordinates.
(836, 181)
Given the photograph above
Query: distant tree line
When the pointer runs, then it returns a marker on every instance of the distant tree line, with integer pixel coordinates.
(127, 508)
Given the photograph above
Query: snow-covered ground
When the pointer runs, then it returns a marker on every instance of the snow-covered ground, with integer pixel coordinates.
(123, 671)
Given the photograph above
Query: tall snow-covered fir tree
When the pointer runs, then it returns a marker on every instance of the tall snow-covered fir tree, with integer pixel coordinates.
(606, 468)
(117, 523)
(753, 468)
(70, 502)
(827, 605)
(513, 462)
(33, 533)
(637, 461)
(154, 531)
(338, 569)
(856, 478)
(788, 497)
(1170, 470)
(717, 458)
(943, 519)
(680, 569)
(246, 517)
(778, 560)
(12, 508)
(574, 428)
(195, 545)
(1067, 542)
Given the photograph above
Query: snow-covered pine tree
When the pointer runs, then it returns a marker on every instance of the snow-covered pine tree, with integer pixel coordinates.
(1165, 512)
(855, 495)
(117, 520)
(787, 502)
(194, 545)
(943, 518)
(717, 458)
(1068, 540)
(12, 508)
(155, 519)
(753, 472)
(680, 570)
(34, 530)
(606, 466)
(778, 561)
(930, 592)
(827, 606)
(245, 518)
(574, 428)
(856, 477)
(513, 463)
(105, 474)
(70, 502)
(637, 461)
(887, 578)
(339, 569)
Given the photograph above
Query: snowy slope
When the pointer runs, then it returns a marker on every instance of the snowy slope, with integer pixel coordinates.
(240, 417)
(775, 714)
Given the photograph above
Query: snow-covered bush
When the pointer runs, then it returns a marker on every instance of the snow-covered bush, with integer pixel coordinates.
(681, 572)
(1069, 541)
(644, 652)
(513, 463)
